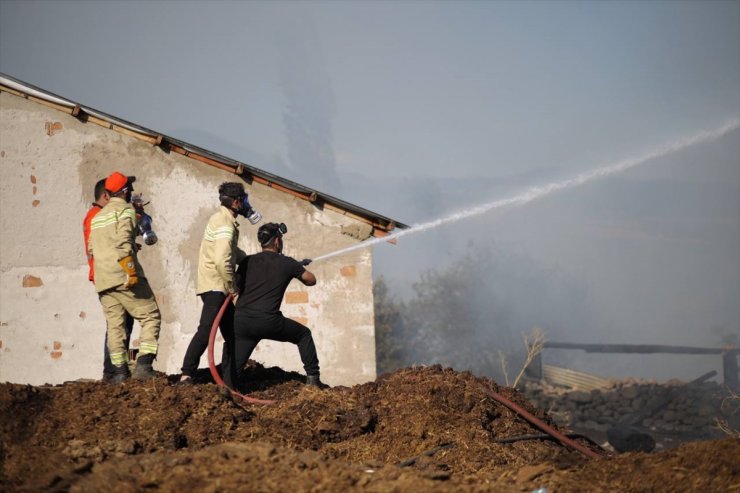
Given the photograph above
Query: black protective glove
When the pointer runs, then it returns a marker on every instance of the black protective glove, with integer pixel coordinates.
(305, 262)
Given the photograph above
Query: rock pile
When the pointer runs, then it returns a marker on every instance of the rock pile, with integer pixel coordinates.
(671, 407)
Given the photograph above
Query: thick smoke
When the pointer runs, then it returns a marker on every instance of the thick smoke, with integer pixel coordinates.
(310, 107)
(645, 257)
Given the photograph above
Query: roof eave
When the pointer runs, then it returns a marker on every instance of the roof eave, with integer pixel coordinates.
(381, 224)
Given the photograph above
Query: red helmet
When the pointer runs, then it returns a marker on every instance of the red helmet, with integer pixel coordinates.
(118, 181)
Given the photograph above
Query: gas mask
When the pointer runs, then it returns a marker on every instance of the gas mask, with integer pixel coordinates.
(246, 210)
(143, 220)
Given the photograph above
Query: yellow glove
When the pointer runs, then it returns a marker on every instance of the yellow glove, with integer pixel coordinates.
(127, 264)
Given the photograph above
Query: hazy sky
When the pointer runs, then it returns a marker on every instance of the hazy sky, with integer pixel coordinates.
(404, 88)
(415, 108)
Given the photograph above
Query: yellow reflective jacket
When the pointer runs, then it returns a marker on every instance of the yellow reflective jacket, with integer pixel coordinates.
(219, 253)
(112, 238)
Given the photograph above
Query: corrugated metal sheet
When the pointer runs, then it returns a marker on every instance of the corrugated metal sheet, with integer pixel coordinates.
(573, 379)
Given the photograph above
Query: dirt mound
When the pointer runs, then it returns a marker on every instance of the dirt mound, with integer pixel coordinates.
(419, 428)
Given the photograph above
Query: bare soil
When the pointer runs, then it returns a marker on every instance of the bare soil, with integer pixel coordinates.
(417, 429)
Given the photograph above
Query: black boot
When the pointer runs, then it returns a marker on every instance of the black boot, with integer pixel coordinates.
(120, 374)
(144, 370)
(315, 381)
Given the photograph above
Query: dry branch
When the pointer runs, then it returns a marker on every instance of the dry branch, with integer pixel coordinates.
(534, 343)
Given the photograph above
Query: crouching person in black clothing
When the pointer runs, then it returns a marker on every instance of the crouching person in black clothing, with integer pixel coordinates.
(264, 277)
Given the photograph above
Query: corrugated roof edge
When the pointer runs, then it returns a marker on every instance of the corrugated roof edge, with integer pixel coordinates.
(381, 224)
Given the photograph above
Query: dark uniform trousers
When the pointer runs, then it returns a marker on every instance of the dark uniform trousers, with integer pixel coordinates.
(212, 302)
(250, 329)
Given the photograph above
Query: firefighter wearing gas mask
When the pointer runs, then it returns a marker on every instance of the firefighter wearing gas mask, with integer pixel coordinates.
(120, 281)
(218, 257)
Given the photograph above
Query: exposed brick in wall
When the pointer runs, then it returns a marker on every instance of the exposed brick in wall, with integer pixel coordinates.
(34, 190)
(53, 128)
(300, 320)
(296, 297)
(348, 271)
(55, 353)
(30, 281)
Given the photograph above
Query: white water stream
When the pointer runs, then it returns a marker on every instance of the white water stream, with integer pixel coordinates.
(538, 192)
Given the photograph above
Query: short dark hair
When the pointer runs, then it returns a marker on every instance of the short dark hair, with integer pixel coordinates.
(269, 232)
(229, 191)
(99, 189)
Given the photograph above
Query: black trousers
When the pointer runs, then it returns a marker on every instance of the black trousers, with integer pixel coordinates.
(250, 329)
(108, 368)
(212, 302)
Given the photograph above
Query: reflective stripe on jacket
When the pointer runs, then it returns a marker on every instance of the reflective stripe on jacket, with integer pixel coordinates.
(219, 253)
(112, 238)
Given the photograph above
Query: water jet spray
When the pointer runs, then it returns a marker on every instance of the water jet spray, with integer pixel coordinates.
(538, 192)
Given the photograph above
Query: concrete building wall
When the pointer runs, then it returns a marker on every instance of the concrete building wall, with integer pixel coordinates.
(51, 323)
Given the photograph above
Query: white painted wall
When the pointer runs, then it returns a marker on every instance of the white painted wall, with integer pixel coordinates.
(54, 332)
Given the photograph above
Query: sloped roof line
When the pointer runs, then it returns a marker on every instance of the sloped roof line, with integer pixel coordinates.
(381, 224)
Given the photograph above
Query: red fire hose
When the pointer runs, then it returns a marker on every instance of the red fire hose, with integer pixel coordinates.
(497, 397)
(542, 425)
(212, 365)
